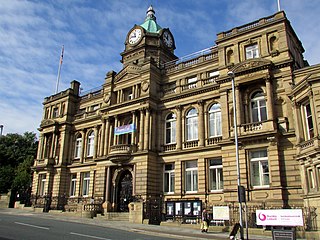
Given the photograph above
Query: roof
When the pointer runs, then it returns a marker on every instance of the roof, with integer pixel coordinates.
(150, 23)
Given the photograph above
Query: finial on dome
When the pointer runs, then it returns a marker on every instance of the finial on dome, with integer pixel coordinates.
(151, 13)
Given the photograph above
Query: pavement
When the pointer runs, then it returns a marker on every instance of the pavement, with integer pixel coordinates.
(185, 231)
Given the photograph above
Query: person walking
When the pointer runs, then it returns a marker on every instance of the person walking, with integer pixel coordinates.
(204, 221)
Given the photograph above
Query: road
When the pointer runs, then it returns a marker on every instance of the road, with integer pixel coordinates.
(27, 226)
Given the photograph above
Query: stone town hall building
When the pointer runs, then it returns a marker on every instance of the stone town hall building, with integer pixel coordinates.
(162, 127)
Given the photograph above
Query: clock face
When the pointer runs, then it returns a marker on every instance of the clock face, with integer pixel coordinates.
(167, 39)
(135, 35)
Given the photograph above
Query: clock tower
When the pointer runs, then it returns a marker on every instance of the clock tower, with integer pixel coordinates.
(148, 40)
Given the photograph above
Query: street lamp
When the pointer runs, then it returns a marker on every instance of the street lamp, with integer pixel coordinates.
(235, 129)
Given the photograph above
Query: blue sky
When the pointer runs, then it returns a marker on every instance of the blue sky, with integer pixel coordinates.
(93, 34)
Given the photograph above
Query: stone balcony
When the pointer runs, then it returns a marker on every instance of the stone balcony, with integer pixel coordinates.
(256, 128)
(121, 153)
(44, 163)
(308, 146)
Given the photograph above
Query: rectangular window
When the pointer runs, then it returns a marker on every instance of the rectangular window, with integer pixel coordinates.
(55, 112)
(312, 184)
(216, 174)
(42, 184)
(169, 178)
(252, 51)
(95, 107)
(192, 82)
(259, 168)
(191, 176)
(127, 94)
(73, 185)
(85, 183)
(308, 121)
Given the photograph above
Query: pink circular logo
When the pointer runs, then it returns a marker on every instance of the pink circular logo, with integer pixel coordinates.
(262, 217)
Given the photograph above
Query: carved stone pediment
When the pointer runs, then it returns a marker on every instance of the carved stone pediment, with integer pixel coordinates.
(47, 122)
(128, 72)
(251, 64)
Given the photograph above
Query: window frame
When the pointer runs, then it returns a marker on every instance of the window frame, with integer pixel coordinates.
(42, 181)
(252, 51)
(55, 112)
(90, 144)
(192, 125)
(78, 147)
(73, 185)
(217, 170)
(192, 82)
(169, 174)
(85, 189)
(259, 162)
(215, 121)
(171, 128)
(259, 109)
(193, 177)
(308, 121)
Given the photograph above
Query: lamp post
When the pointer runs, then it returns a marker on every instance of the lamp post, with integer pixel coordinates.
(235, 129)
(1, 129)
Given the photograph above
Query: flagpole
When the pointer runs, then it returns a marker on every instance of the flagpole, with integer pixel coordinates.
(59, 69)
(279, 9)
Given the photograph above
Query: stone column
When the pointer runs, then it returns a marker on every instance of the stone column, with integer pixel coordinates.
(116, 122)
(95, 143)
(141, 133)
(201, 124)
(147, 130)
(83, 145)
(108, 187)
(102, 140)
(107, 136)
(224, 114)
(53, 147)
(179, 128)
(238, 99)
(269, 99)
(158, 135)
(134, 122)
(40, 146)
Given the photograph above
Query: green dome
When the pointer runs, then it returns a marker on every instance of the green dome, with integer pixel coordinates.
(150, 23)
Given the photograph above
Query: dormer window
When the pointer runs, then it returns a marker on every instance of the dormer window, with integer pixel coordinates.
(252, 51)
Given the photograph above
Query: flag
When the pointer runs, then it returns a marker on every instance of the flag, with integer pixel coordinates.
(61, 57)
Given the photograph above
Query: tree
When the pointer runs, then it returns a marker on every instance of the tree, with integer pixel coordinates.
(17, 153)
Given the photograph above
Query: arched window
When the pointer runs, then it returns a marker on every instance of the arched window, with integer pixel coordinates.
(78, 146)
(215, 120)
(192, 125)
(171, 121)
(258, 107)
(90, 145)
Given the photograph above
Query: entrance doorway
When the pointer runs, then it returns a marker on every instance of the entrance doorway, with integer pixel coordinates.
(124, 191)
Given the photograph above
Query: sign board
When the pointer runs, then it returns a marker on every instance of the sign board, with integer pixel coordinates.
(283, 234)
(280, 217)
(220, 213)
